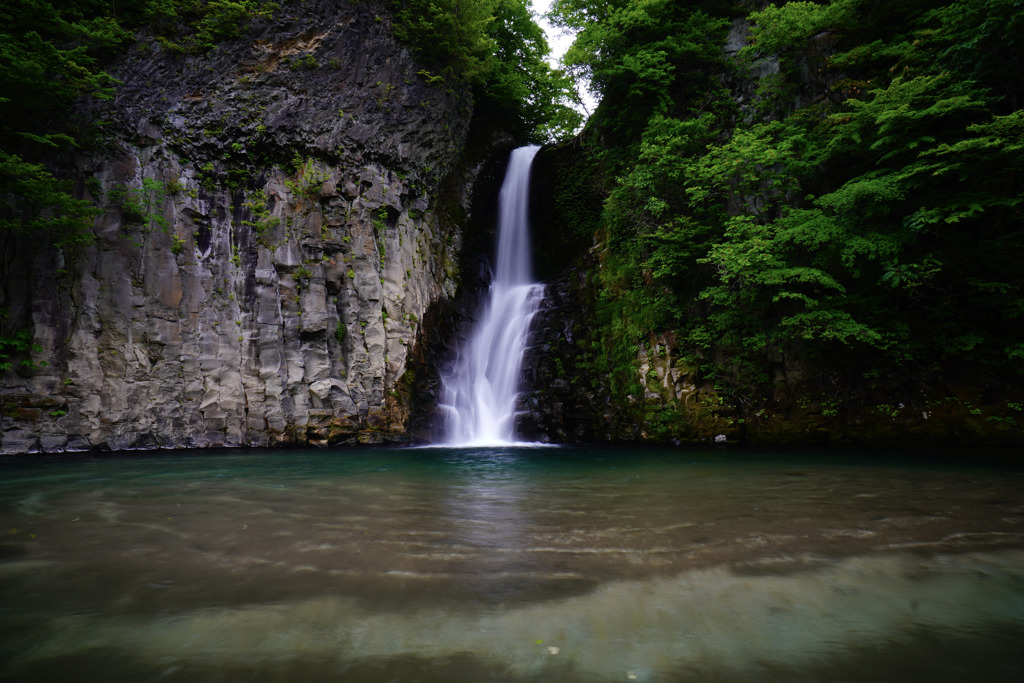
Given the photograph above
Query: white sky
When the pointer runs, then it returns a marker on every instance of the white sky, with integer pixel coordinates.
(558, 43)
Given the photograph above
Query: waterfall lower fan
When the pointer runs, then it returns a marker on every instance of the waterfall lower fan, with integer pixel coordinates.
(479, 391)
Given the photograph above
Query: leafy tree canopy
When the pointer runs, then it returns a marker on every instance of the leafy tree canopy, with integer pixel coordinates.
(497, 47)
(864, 206)
(643, 57)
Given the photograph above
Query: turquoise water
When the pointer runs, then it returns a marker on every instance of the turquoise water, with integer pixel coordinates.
(516, 564)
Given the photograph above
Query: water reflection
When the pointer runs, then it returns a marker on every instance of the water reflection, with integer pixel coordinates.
(510, 564)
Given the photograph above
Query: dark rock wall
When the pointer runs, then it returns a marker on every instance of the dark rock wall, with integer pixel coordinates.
(279, 218)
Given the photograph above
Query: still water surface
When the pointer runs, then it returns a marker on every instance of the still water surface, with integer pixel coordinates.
(514, 564)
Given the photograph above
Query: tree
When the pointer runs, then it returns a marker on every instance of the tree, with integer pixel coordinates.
(864, 207)
(519, 90)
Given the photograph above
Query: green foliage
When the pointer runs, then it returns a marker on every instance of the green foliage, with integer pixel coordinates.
(450, 36)
(982, 40)
(792, 26)
(519, 91)
(49, 56)
(310, 176)
(16, 344)
(865, 209)
(36, 205)
(263, 222)
(648, 57)
(142, 205)
(52, 54)
(496, 47)
(200, 25)
(220, 20)
(379, 225)
(306, 63)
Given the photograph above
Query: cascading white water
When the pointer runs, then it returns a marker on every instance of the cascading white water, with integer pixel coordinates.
(478, 393)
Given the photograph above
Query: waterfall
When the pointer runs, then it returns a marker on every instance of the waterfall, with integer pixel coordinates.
(479, 390)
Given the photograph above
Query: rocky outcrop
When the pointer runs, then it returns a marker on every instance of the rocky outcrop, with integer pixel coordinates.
(558, 404)
(276, 223)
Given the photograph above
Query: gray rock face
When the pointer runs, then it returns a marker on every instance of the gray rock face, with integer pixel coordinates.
(269, 243)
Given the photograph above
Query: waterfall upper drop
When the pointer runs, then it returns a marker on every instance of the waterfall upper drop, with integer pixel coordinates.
(479, 390)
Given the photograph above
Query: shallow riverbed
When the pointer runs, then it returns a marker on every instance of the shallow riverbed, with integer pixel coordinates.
(516, 564)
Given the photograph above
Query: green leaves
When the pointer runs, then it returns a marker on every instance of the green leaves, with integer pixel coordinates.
(220, 20)
(907, 116)
(36, 205)
(496, 47)
(981, 40)
(870, 205)
(519, 91)
(793, 25)
(52, 54)
(644, 57)
(16, 344)
(450, 36)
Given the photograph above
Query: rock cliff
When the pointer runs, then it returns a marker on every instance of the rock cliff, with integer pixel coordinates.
(279, 217)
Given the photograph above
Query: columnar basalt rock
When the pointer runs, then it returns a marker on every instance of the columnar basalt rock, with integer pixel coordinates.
(272, 234)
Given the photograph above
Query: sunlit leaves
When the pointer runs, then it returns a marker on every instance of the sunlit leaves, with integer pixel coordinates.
(792, 25)
(519, 90)
(496, 47)
(644, 57)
